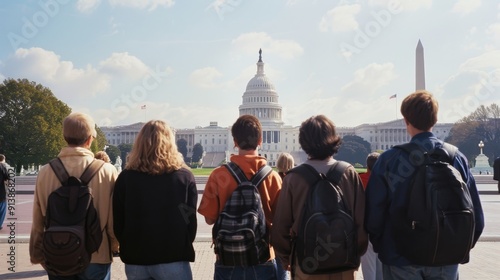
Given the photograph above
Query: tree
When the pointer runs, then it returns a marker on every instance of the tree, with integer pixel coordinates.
(354, 149)
(197, 152)
(481, 125)
(113, 152)
(99, 142)
(30, 123)
(182, 147)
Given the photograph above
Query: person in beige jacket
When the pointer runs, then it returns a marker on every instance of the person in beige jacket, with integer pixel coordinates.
(79, 132)
(318, 138)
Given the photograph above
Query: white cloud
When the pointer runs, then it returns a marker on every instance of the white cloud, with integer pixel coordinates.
(222, 7)
(465, 7)
(486, 61)
(465, 91)
(340, 19)
(205, 78)
(124, 65)
(87, 5)
(119, 81)
(61, 76)
(142, 4)
(403, 5)
(370, 79)
(250, 42)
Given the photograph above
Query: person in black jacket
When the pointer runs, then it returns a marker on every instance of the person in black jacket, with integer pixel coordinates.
(154, 208)
(496, 172)
(4, 177)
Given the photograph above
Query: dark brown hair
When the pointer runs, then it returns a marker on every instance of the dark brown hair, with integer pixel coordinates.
(371, 159)
(318, 137)
(247, 132)
(420, 110)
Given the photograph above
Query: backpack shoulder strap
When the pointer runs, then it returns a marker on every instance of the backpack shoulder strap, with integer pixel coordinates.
(408, 147)
(336, 171)
(240, 177)
(236, 171)
(450, 150)
(91, 170)
(263, 172)
(59, 170)
(308, 172)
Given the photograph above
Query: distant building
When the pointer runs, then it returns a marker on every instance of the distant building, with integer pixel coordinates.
(262, 100)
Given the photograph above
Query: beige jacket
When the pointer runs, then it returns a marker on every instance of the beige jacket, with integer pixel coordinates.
(288, 215)
(75, 160)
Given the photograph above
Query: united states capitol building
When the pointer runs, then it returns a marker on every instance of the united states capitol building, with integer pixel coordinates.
(262, 100)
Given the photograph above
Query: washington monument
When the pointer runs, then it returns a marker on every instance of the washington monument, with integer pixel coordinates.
(419, 67)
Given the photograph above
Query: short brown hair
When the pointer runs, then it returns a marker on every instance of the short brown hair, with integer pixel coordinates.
(371, 159)
(77, 128)
(420, 109)
(318, 137)
(247, 132)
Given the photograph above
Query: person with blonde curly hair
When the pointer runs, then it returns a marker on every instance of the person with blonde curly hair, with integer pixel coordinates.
(284, 163)
(154, 208)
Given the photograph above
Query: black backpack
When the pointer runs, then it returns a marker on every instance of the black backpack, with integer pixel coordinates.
(72, 227)
(240, 233)
(327, 239)
(437, 227)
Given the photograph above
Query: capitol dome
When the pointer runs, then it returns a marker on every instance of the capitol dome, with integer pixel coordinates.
(261, 99)
(260, 82)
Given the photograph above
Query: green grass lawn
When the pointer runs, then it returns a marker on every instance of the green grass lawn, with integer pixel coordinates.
(207, 171)
(201, 171)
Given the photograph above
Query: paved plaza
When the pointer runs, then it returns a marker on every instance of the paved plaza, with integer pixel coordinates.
(15, 256)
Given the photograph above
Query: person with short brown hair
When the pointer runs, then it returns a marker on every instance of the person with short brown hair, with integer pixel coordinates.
(79, 132)
(389, 186)
(247, 137)
(319, 139)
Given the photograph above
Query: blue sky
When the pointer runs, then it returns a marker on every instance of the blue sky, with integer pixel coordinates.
(189, 61)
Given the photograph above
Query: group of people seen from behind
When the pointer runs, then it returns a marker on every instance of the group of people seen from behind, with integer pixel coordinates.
(147, 212)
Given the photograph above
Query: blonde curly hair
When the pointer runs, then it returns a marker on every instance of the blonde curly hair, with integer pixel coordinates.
(154, 150)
